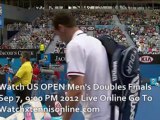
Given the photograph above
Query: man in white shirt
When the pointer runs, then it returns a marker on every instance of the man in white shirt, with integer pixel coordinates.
(87, 65)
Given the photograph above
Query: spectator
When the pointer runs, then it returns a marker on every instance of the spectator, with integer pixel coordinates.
(42, 47)
(57, 73)
(36, 73)
(23, 78)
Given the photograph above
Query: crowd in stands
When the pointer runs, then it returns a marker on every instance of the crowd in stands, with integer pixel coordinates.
(41, 29)
(32, 34)
(139, 18)
(93, 17)
(116, 33)
(146, 38)
(14, 26)
(45, 21)
(5, 45)
(6, 69)
(60, 47)
(142, 27)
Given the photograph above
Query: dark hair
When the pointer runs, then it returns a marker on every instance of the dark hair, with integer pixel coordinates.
(26, 55)
(64, 18)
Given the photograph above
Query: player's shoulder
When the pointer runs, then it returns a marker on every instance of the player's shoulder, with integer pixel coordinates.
(76, 42)
(26, 64)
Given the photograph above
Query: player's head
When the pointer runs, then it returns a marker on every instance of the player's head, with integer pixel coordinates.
(25, 56)
(64, 25)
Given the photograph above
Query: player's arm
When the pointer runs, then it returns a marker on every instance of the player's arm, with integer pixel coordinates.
(15, 79)
(76, 66)
(19, 74)
(77, 81)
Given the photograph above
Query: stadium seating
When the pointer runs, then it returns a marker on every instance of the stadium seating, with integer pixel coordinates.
(143, 32)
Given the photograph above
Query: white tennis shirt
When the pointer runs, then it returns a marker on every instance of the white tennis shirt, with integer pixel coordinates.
(86, 56)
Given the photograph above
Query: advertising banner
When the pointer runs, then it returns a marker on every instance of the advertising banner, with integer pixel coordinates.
(58, 58)
(149, 59)
(14, 53)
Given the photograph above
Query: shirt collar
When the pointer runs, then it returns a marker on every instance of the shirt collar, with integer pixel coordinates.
(76, 33)
(26, 62)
